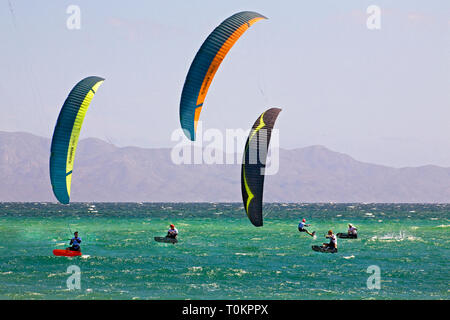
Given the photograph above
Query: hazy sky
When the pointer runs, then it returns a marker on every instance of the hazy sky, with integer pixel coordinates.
(381, 96)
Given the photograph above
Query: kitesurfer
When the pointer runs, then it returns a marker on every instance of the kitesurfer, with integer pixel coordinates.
(172, 233)
(333, 241)
(75, 242)
(352, 230)
(301, 228)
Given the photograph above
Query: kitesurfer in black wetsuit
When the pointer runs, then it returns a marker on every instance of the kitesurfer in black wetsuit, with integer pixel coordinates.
(172, 233)
(75, 242)
(352, 231)
(333, 241)
(301, 228)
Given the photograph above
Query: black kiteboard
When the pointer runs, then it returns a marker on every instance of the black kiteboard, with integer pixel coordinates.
(324, 249)
(347, 236)
(166, 239)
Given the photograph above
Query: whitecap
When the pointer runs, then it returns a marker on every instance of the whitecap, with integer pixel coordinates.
(194, 269)
(53, 275)
(392, 237)
(239, 272)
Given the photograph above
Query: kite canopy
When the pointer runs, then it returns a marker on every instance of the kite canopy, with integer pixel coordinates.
(205, 64)
(253, 164)
(66, 133)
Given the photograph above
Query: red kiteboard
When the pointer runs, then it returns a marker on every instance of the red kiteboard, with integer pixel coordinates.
(66, 253)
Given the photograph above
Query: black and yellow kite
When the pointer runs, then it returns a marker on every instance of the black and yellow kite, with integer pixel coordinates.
(253, 165)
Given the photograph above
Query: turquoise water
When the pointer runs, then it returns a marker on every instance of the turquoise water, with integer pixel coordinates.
(220, 255)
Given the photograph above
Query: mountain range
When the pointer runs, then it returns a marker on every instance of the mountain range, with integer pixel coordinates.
(107, 173)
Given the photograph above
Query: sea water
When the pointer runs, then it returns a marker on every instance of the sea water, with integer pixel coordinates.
(221, 255)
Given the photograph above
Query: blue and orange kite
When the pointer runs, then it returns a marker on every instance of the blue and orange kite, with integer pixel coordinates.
(205, 64)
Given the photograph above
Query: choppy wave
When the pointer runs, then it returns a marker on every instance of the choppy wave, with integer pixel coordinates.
(400, 236)
(222, 256)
